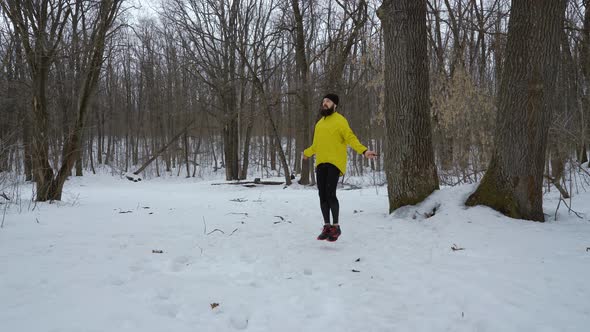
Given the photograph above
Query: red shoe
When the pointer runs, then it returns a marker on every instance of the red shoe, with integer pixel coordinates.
(334, 233)
(325, 232)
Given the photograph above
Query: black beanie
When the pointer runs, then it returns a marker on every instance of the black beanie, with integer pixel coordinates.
(332, 97)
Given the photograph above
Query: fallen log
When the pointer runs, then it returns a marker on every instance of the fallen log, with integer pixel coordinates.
(158, 153)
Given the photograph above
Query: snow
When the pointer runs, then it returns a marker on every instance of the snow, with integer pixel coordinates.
(92, 262)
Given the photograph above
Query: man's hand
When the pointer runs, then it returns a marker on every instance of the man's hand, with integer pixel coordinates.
(370, 154)
(304, 156)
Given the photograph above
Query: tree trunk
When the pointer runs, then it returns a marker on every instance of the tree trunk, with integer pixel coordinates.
(42, 171)
(585, 64)
(28, 154)
(513, 183)
(186, 160)
(90, 152)
(79, 165)
(100, 135)
(411, 173)
(303, 93)
(230, 149)
(272, 153)
(248, 138)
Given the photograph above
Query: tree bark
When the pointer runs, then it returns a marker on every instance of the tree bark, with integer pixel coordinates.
(513, 183)
(410, 169)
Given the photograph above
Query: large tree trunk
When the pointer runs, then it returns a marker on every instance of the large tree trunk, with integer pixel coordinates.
(514, 179)
(410, 169)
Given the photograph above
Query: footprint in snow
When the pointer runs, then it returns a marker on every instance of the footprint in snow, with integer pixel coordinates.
(171, 310)
(116, 281)
(179, 263)
(163, 294)
(238, 321)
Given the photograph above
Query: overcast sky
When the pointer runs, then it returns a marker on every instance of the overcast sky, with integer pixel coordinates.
(144, 7)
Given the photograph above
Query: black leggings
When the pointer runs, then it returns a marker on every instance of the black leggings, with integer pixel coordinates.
(327, 177)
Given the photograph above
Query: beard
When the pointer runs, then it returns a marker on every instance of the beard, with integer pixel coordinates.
(327, 111)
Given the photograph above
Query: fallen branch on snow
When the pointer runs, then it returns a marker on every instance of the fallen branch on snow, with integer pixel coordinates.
(456, 248)
(216, 230)
(282, 219)
(244, 213)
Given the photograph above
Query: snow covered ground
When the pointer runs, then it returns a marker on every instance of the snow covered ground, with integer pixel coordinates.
(88, 263)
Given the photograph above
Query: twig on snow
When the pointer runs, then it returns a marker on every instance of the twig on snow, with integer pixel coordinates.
(456, 248)
(244, 213)
(216, 230)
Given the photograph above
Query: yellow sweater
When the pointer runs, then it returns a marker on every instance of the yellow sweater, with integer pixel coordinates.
(331, 136)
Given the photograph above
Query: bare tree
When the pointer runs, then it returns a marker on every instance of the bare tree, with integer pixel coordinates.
(208, 32)
(92, 60)
(40, 27)
(47, 21)
(263, 43)
(344, 39)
